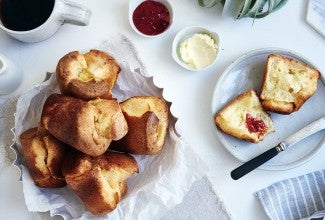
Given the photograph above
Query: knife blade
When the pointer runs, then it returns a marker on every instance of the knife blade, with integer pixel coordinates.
(252, 164)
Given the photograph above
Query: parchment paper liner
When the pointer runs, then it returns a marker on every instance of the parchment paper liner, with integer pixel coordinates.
(163, 179)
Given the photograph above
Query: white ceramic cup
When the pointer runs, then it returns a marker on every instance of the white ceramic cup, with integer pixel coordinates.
(10, 76)
(63, 10)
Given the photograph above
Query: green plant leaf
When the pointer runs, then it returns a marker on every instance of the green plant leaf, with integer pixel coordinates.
(256, 8)
(207, 3)
(244, 10)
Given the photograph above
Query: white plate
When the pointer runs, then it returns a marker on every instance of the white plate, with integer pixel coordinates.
(247, 73)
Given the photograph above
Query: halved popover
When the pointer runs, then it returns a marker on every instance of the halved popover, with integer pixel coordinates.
(147, 118)
(244, 118)
(287, 84)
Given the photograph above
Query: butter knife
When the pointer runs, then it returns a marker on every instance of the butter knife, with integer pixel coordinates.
(252, 164)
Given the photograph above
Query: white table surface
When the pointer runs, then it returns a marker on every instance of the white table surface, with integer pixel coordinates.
(190, 92)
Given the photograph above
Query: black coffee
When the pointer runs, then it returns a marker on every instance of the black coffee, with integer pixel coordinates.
(24, 15)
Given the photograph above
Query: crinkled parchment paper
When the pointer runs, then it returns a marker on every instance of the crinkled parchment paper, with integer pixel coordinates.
(163, 179)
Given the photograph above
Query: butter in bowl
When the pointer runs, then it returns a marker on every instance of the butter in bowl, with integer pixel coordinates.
(195, 48)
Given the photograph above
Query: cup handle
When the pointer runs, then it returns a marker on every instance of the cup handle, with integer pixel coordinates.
(75, 13)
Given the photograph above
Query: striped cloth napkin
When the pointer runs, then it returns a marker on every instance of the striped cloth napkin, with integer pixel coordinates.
(301, 197)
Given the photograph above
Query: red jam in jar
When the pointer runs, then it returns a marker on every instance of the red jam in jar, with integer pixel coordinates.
(254, 125)
(151, 17)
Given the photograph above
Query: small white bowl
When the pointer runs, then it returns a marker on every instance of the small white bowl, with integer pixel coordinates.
(186, 33)
(133, 4)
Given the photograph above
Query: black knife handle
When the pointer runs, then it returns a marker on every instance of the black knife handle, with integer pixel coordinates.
(254, 163)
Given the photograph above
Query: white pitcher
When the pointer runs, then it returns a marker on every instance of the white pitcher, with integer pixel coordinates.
(10, 76)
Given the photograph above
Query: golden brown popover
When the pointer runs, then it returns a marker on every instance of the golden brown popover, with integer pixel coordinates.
(43, 155)
(87, 126)
(99, 181)
(87, 76)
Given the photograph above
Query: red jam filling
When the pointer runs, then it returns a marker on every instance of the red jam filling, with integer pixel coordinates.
(151, 17)
(255, 125)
